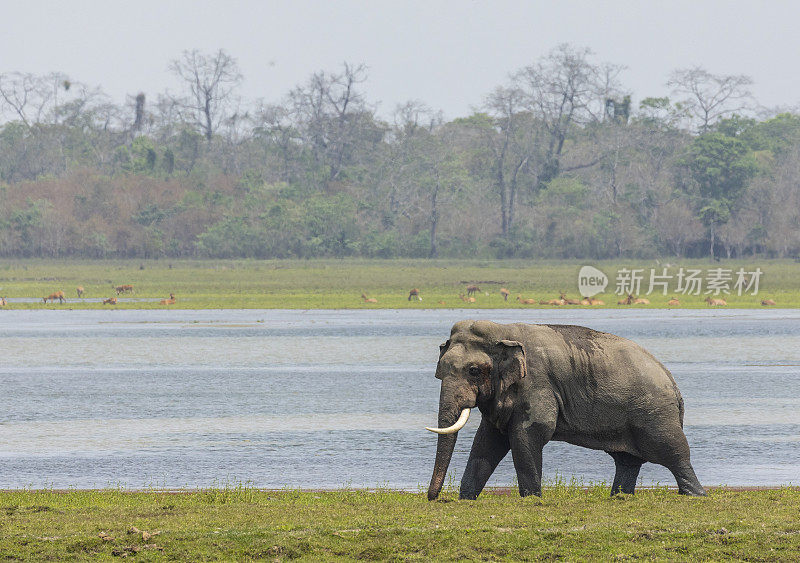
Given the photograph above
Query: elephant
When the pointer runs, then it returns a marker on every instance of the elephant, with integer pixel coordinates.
(536, 383)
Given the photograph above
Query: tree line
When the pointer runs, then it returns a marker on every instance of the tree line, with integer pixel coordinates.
(558, 162)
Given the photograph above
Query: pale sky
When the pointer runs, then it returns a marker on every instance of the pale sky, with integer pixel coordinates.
(445, 53)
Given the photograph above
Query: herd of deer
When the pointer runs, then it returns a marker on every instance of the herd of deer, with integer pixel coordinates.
(468, 298)
(119, 289)
(564, 300)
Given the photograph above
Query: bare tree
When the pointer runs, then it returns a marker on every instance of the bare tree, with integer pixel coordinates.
(565, 90)
(709, 97)
(333, 117)
(514, 138)
(34, 99)
(210, 82)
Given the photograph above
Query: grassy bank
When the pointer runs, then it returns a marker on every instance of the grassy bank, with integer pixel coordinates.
(243, 524)
(333, 284)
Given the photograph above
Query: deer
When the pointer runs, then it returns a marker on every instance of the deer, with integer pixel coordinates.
(110, 301)
(79, 289)
(563, 297)
(170, 301)
(3, 302)
(526, 301)
(53, 296)
(595, 302)
(368, 299)
(473, 289)
(627, 301)
(768, 302)
(123, 289)
(466, 299)
(504, 292)
(640, 301)
(715, 302)
(674, 302)
(414, 293)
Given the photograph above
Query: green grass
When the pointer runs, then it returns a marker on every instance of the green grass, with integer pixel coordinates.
(569, 523)
(335, 284)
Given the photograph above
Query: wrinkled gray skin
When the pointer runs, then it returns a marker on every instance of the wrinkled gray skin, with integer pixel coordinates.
(536, 383)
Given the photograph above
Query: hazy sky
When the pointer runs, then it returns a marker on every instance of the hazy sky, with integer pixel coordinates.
(448, 54)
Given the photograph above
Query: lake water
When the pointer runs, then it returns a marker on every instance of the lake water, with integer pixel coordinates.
(325, 399)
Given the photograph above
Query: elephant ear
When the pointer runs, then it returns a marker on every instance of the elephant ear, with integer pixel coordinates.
(443, 348)
(511, 365)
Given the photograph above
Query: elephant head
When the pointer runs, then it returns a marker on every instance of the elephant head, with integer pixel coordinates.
(478, 366)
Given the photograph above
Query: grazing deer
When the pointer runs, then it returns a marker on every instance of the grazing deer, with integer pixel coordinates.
(473, 289)
(414, 293)
(466, 299)
(170, 301)
(80, 291)
(123, 289)
(110, 301)
(768, 302)
(368, 299)
(674, 302)
(563, 297)
(716, 302)
(526, 301)
(53, 296)
(504, 292)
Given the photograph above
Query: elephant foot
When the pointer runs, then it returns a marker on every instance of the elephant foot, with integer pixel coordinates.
(688, 484)
(627, 471)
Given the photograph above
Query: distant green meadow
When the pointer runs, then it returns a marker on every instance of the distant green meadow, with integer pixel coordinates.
(339, 284)
(569, 522)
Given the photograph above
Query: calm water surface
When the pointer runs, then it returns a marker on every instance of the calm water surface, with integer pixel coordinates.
(325, 399)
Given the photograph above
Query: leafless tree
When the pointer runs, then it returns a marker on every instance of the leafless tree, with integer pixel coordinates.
(513, 140)
(677, 226)
(32, 98)
(708, 97)
(564, 90)
(210, 83)
(333, 117)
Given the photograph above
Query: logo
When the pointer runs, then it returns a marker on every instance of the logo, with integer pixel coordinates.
(591, 281)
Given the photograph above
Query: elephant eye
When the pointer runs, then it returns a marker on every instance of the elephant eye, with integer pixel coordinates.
(474, 371)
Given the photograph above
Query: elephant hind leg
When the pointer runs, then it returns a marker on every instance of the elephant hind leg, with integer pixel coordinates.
(628, 467)
(688, 484)
(671, 450)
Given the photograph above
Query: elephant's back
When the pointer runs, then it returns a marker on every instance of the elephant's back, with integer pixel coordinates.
(606, 366)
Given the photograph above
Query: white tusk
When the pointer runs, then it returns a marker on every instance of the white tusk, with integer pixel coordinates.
(462, 420)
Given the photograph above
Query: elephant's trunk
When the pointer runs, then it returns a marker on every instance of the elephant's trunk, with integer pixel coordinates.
(444, 451)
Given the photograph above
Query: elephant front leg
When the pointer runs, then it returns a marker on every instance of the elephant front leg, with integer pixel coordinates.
(488, 449)
(526, 449)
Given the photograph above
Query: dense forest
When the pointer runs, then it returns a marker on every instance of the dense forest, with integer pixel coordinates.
(561, 161)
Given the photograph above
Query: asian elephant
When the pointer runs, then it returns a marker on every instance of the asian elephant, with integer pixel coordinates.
(536, 383)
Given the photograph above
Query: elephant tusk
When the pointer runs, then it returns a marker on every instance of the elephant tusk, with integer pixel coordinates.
(462, 420)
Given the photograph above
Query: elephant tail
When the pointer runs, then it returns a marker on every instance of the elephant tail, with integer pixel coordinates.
(680, 401)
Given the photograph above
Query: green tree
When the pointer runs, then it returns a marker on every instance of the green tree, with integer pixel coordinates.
(719, 169)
